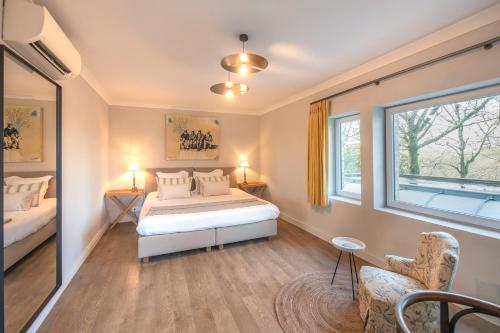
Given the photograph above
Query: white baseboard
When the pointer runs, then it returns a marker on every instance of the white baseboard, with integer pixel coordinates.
(367, 256)
(67, 279)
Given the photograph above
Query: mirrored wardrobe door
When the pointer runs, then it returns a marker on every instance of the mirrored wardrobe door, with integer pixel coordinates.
(31, 158)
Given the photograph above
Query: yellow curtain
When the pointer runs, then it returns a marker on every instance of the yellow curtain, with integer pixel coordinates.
(317, 165)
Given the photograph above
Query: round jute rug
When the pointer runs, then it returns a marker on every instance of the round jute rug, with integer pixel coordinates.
(310, 304)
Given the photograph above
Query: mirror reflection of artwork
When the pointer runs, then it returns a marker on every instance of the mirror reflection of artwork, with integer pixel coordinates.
(191, 138)
(22, 135)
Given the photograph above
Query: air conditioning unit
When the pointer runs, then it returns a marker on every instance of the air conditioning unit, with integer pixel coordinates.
(31, 31)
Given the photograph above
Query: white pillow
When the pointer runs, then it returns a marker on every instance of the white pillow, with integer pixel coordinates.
(180, 174)
(14, 180)
(214, 185)
(17, 201)
(196, 175)
(34, 188)
(174, 188)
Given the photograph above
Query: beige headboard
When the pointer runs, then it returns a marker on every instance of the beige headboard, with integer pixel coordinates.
(150, 174)
(52, 190)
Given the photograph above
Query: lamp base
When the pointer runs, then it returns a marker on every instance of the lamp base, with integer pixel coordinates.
(134, 188)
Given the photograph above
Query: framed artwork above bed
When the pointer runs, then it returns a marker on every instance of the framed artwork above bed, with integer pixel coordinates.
(191, 138)
(22, 134)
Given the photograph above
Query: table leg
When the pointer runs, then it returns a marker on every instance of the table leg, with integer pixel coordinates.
(352, 278)
(125, 210)
(336, 266)
(355, 269)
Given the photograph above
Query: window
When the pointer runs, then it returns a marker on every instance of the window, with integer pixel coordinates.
(443, 157)
(346, 167)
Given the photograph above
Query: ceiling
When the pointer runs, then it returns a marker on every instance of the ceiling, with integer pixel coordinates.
(166, 53)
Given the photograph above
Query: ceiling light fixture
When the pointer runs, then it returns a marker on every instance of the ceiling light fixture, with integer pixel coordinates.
(244, 63)
(229, 88)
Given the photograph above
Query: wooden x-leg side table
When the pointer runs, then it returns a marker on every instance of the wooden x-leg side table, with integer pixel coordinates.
(114, 196)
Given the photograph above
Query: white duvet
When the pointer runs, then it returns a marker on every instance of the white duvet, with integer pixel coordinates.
(172, 223)
(25, 223)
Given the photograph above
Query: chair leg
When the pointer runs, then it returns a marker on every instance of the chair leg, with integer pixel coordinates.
(336, 266)
(366, 319)
(352, 278)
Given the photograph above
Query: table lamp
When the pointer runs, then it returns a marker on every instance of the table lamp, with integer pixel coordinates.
(244, 165)
(133, 167)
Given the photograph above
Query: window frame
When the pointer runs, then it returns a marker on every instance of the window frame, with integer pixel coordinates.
(391, 160)
(336, 165)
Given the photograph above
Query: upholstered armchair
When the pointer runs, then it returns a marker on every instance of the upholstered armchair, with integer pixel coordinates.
(433, 268)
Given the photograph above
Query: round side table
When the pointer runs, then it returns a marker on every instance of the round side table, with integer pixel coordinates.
(351, 246)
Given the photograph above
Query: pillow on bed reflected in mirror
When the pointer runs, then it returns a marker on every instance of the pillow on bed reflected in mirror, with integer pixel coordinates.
(174, 188)
(16, 180)
(17, 201)
(214, 185)
(35, 189)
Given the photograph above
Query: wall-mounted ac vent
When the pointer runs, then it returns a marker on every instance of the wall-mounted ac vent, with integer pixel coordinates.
(33, 33)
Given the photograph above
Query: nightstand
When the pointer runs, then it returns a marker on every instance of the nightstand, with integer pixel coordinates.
(114, 196)
(254, 188)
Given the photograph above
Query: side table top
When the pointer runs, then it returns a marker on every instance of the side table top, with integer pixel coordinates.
(123, 192)
(348, 244)
(252, 184)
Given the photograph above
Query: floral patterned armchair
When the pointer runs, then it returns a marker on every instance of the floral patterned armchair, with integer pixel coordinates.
(433, 268)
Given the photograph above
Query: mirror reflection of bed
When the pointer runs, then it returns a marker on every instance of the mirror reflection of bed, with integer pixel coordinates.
(29, 254)
(30, 193)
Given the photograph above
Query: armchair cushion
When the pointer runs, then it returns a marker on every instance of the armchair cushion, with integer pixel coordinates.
(383, 288)
(379, 291)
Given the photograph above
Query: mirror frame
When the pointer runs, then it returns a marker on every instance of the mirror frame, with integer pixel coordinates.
(3, 52)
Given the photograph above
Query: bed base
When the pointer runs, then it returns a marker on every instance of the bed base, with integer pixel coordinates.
(149, 246)
(18, 250)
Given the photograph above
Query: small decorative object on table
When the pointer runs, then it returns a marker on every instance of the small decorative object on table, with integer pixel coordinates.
(254, 188)
(114, 196)
(133, 166)
(349, 245)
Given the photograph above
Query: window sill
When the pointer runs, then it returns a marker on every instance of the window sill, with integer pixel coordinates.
(351, 201)
(443, 223)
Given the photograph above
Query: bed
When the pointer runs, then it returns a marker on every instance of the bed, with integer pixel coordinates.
(26, 230)
(174, 225)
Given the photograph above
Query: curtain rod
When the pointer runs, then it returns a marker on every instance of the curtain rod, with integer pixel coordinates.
(486, 45)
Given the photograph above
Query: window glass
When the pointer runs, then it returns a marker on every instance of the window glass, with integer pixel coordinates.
(446, 157)
(348, 157)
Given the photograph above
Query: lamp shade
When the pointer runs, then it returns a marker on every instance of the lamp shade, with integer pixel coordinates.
(133, 166)
(244, 164)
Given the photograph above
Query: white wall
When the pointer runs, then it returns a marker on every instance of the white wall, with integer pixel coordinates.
(85, 167)
(284, 165)
(138, 134)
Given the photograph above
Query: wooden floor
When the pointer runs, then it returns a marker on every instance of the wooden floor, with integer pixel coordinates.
(230, 290)
(28, 283)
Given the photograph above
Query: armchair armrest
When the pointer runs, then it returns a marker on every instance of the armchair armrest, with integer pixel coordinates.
(399, 264)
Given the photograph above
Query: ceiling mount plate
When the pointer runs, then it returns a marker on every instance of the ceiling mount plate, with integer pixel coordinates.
(243, 38)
